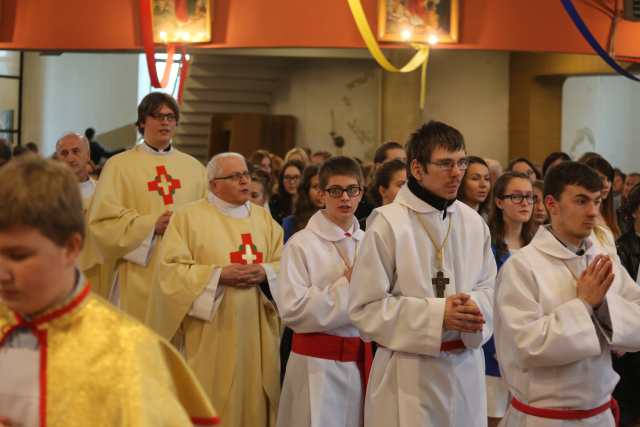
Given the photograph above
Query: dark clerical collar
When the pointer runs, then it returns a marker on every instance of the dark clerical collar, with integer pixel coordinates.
(428, 197)
(578, 250)
(167, 148)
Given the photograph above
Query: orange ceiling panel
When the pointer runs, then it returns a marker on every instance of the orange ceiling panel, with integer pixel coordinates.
(112, 25)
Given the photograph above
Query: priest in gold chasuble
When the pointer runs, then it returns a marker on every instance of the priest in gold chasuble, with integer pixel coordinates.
(73, 149)
(135, 197)
(210, 295)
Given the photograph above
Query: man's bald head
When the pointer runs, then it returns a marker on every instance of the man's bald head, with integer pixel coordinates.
(73, 149)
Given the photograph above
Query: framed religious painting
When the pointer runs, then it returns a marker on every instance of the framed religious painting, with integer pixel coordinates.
(418, 21)
(181, 21)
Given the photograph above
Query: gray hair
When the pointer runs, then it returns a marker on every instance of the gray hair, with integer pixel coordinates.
(213, 167)
(82, 137)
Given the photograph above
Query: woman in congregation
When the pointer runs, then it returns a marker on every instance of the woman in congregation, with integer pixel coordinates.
(261, 159)
(385, 184)
(628, 365)
(512, 228)
(282, 202)
(476, 186)
(523, 165)
(308, 202)
(298, 154)
(606, 230)
(553, 159)
(260, 188)
(540, 214)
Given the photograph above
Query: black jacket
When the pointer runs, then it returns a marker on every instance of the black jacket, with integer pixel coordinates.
(628, 246)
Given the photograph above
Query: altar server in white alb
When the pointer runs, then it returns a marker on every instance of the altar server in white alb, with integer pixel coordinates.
(562, 307)
(422, 288)
(327, 369)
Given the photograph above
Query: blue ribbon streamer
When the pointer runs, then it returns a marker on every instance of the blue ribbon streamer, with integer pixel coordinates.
(588, 36)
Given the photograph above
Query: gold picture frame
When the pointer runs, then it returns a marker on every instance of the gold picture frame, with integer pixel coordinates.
(418, 21)
(181, 21)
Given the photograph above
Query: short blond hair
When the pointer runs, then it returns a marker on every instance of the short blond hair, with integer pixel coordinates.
(297, 154)
(41, 194)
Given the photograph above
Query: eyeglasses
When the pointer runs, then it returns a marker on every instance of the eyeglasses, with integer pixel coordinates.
(236, 177)
(337, 192)
(162, 117)
(291, 178)
(519, 198)
(448, 164)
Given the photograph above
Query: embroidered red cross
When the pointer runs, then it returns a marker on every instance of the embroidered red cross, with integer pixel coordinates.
(164, 184)
(247, 252)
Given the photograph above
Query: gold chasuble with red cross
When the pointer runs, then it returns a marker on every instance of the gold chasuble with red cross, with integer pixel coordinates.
(234, 346)
(134, 189)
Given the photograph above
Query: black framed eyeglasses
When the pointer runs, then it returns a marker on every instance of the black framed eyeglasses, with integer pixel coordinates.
(236, 177)
(519, 198)
(336, 191)
(291, 178)
(448, 164)
(170, 117)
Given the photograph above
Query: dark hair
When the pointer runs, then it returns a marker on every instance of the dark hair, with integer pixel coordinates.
(513, 162)
(258, 155)
(484, 206)
(607, 209)
(496, 218)
(631, 204)
(340, 165)
(588, 155)
(381, 152)
(539, 184)
(41, 194)
(32, 146)
(429, 137)
(284, 199)
(5, 149)
(263, 178)
(20, 150)
(551, 158)
(305, 208)
(151, 104)
(570, 173)
(324, 154)
(382, 178)
(617, 171)
(89, 133)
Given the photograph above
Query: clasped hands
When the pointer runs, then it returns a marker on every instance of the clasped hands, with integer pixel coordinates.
(462, 314)
(242, 275)
(595, 281)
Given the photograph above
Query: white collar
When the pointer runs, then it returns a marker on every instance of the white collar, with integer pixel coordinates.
(234, 211)
(87, 188)
(150, 150)
(323, 227)
(406, 198)
(546, 242)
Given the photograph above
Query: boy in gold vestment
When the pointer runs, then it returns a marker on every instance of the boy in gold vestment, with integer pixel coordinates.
(210, 291)
(67, 358)
(136, 194)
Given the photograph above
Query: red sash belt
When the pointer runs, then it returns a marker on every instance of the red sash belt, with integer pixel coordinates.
(567, 414)
(452, 345)
(341, 349)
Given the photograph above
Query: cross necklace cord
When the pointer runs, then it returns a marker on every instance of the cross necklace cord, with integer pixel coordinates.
(344, 258)
(440, 281)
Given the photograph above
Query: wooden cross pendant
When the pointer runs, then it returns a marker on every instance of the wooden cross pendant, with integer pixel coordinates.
(439, 283)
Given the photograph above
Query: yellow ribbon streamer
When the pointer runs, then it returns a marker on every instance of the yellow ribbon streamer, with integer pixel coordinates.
(421, 58)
